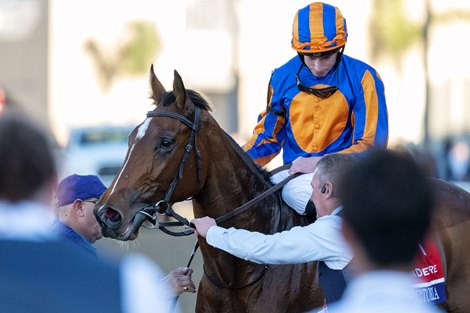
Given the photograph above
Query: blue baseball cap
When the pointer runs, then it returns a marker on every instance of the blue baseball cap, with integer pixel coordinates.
(75, 187)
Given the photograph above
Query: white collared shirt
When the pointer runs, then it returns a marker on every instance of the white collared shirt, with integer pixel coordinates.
(319, 241)
(25, 220)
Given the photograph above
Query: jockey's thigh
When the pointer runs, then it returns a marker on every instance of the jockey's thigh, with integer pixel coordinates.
(297, 192)
(280, 176)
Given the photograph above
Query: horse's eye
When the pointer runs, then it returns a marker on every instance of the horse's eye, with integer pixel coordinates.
(166, 143)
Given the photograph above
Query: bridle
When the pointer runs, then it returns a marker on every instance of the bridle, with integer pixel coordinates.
(163, 207)
(152, 212)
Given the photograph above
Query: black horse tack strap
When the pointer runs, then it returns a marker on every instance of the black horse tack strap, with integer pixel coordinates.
(244, 207)
(164, 207)
(254, 201)
(151, 212)
(181, 221)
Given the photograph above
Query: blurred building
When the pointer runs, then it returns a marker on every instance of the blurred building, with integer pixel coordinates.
(223, 48)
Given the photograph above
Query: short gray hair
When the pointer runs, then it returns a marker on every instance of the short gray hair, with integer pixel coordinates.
(331, 167)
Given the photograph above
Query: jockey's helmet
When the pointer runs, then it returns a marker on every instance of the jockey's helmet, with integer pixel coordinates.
(318, 27)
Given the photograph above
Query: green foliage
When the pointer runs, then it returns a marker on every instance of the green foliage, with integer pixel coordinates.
(140, 50)
(392, 32)
(452, 15)
(132, 56)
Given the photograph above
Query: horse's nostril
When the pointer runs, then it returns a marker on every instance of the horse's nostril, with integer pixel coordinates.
(111, 218)
(112, 215)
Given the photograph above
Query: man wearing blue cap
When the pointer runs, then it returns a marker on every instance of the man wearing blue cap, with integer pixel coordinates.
(76, 197)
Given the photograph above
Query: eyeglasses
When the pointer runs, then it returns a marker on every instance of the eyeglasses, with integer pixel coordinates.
(322, 93)
(91, 201)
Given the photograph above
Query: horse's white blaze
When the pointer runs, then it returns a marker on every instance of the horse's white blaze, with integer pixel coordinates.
(140, 134)
(143, 129)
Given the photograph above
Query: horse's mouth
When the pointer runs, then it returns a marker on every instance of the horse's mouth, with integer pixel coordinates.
(124, 233)
(131, 232)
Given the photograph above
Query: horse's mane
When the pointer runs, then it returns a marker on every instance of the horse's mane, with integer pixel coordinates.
(200, 101)
(248, 160)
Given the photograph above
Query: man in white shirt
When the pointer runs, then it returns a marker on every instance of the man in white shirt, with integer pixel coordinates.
(320, 241)
(388, 205)
(40, 273)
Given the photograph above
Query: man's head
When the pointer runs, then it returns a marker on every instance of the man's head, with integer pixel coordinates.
(319, 34)
(76, 197)
(326, 191)
(388, 204)
(27, 164)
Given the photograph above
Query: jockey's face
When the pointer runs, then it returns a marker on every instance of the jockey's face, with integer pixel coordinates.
(320, 66)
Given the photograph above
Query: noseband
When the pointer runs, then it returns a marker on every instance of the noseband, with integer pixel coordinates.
(152, 212)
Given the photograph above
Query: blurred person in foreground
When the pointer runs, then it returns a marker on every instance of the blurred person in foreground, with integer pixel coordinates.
(39, 272)
(388, 206)
(76, 196)
(321, 101)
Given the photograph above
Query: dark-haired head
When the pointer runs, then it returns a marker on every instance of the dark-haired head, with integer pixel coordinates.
(27, 161)
(388, 205)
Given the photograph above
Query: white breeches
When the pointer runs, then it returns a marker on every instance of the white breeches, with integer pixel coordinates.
(297, 192)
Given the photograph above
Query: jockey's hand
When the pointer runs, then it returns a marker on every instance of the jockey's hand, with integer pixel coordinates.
(304, 165)
(203, 224)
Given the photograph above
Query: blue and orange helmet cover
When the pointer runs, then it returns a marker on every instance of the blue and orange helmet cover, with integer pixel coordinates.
(318, 27)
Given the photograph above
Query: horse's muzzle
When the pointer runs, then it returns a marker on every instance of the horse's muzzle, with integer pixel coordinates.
(113, 226)
(108, 218)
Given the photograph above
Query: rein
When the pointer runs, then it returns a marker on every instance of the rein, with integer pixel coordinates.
(152, 212)
(255, 200)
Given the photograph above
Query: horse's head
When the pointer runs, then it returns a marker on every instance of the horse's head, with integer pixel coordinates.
(162, 164)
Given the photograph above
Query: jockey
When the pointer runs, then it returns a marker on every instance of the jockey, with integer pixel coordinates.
(319, 102)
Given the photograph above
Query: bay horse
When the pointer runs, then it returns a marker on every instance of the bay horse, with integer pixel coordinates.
(179, 151)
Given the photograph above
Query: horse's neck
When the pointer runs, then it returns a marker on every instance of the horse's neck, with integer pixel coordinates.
(452, 203)
(230, 183)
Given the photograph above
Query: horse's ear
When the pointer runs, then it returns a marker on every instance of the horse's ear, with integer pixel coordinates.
(180, 93)
(157, 88)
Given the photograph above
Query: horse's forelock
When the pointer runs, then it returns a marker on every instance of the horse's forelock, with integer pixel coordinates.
(168, 98)
(196, 98)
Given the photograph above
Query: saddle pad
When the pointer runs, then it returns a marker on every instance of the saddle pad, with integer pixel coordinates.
(428, 271)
